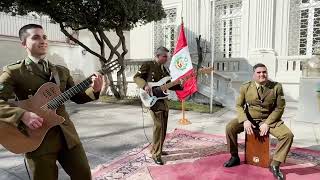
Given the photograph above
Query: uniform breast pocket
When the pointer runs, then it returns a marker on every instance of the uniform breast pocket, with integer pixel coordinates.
(271, 96)
(270, 100)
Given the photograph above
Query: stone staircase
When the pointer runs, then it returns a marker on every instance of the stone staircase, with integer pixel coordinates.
(221, 91)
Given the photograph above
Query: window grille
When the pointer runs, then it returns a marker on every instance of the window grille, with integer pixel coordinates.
(165, 31)
(227, 28)
(304, 27)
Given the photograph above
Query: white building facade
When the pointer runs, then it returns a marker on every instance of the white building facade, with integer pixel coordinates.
(235, 34)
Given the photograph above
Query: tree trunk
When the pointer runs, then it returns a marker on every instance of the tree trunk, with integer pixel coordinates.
(119, 90)
(121, 77)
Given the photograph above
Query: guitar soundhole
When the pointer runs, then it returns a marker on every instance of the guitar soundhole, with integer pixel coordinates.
(49, 93)
(156, 90)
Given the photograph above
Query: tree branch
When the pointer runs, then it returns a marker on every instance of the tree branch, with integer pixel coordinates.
(96, 37)
(112, 52)
(107, 41)
(78, 29)
(123, 41)
(65, 32)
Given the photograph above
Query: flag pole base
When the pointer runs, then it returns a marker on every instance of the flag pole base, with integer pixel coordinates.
(184, 121)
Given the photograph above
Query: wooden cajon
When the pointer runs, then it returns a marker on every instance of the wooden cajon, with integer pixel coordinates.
(257, 149)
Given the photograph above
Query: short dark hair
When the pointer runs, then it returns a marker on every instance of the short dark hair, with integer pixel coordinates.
(161, 50)
(258, 65)
(23, 31)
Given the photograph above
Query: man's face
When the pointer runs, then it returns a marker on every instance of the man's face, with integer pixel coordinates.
(260, 75)
(163, 58)
(36, 42)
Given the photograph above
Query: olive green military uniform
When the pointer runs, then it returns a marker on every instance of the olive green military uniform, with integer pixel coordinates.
(62, 142)
(153, 72)
(265, 109)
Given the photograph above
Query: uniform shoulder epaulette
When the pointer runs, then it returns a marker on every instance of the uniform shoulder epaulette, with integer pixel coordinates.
(13, 65)
(18, 62)
(246, 82)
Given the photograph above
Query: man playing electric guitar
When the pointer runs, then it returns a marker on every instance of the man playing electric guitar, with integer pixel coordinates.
(61, 143)
(153, 71)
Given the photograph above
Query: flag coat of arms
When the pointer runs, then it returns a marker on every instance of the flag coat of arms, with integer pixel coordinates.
(181, 67)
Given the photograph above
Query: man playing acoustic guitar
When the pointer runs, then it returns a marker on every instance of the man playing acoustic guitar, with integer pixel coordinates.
(61, 143)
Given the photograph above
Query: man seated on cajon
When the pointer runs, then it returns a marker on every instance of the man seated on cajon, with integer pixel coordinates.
(266, 103)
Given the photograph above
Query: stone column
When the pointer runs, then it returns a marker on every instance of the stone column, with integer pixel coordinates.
(282, 17)
(261, 34)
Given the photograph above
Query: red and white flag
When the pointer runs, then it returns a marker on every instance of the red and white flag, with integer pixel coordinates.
(181, 67)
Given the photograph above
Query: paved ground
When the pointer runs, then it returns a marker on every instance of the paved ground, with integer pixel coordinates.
(108, 130)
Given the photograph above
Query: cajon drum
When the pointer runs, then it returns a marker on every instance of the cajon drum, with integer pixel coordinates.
(257, 149)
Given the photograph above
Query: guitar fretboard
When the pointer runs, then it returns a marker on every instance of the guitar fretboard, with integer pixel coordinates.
(177, 81)
(173, 83)
(65, 96)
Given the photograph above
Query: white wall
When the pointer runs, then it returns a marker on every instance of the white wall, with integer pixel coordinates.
(59, 53)
(11, 51)
(141, 42)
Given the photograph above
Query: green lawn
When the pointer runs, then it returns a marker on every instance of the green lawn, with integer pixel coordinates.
(189, 106)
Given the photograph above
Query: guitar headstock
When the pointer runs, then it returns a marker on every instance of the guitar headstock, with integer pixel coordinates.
(109, 67)
(206, 70)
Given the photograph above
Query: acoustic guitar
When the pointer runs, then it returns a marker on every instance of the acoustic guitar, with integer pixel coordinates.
(44, 103)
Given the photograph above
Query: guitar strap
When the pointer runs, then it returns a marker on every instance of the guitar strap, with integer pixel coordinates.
(54, 75)
(246, 110)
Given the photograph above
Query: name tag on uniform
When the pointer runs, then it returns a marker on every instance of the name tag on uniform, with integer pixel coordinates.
(282, 97)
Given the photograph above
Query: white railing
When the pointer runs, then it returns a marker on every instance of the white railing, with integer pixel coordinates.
(291, 63)
(221, 84)
(10, 25)
(227, 66)
(289, 68)
(132, 67)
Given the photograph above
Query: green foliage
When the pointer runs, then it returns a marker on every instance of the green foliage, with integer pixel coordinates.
(91, 14)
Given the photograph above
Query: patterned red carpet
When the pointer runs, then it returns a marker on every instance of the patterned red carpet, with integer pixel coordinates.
(199, 156)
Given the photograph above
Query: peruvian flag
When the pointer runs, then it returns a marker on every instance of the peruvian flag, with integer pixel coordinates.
(181, 67)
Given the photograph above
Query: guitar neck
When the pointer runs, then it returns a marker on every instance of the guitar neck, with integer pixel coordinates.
(177, 81)
(173, 83)
(169, 85)
(65, 96)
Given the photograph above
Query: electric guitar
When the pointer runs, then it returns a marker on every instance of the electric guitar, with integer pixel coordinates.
(159, 89)
(44, 103)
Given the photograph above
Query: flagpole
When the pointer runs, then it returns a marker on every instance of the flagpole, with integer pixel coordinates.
(183, 121)
(212, 29)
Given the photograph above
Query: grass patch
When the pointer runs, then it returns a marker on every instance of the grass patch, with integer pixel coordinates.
(125, 101)
(192, 106)
(189, 106)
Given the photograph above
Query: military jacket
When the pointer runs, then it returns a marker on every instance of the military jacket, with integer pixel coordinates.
(152, 71)
(23, 79)
(269, 108)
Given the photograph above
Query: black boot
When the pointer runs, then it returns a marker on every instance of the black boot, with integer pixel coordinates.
(276, 172)
(164, 153)
(233, 161)
(158, 160)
